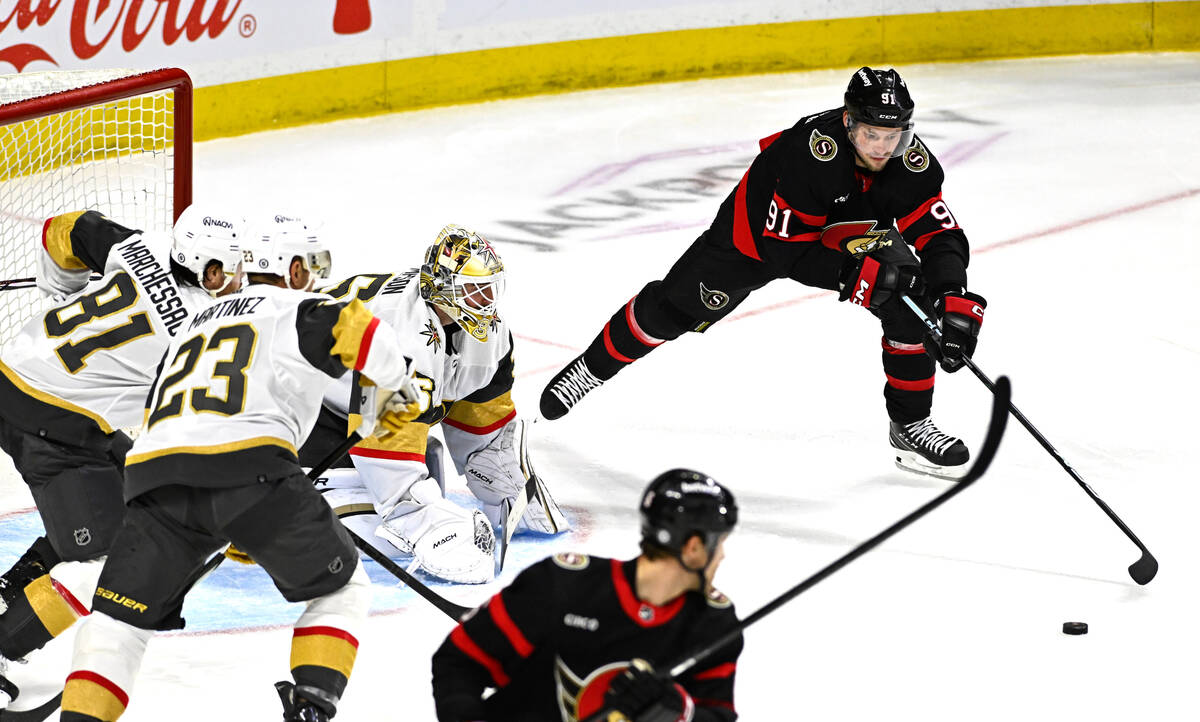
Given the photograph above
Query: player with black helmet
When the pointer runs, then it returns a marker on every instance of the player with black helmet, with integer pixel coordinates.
(576, 636)
(838, 201)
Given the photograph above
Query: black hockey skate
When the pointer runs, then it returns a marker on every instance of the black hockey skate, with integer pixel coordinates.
(304, 703)
(567, 388)
(923, 448)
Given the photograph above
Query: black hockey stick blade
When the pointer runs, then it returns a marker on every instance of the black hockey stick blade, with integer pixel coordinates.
(507, 527)
(449, 608)
(987, 452)
(1144, 569)
(36, 714)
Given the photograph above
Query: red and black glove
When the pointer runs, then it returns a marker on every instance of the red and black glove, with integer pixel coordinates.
(961, 314)
(871, 281)
(643, 695)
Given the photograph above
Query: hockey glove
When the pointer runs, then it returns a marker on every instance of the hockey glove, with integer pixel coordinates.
(643, 695)
(961, 315)
(238, 555)
(405, 405)
(888, 268)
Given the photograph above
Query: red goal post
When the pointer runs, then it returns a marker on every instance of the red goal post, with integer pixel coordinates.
(116, 141)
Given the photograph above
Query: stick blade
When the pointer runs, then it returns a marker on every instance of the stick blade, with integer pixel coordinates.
(1001, 396)
(1144, 569)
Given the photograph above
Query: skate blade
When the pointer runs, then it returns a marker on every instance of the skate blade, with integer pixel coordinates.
(914, 462)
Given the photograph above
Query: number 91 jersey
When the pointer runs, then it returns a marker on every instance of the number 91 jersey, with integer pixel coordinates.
(83, 368)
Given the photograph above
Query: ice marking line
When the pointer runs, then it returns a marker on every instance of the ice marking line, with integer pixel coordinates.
(608, 171)
(544, 342)
(17, 512)
(969, 149)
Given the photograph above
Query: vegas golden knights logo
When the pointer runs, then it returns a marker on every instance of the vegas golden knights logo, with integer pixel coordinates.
(916, 158)
(822, 146)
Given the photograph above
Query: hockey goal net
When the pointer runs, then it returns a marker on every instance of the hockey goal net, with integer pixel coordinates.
(116, 141)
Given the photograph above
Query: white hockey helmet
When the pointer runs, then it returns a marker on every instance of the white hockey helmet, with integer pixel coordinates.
(202, 235)
(464, 277)
(272, 241)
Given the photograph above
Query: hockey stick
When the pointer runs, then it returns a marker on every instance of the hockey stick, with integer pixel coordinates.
(1141, 571)
(983, 459)
(512, 511)
(15, 284)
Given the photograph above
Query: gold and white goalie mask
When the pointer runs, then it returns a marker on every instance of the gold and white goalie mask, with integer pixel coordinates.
(464, 277)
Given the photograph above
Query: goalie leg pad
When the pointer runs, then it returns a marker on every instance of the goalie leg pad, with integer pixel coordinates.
(502, 471)
(449, 542)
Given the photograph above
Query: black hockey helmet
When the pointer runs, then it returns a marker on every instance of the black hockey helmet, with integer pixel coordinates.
(880, 98)
(682, 503)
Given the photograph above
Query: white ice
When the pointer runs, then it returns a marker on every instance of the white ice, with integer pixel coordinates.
(1078, 183)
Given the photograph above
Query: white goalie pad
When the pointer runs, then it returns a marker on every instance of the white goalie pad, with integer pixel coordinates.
(501, 474)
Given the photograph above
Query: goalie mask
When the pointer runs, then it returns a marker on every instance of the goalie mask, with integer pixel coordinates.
(272, 241)
(201, 236)
(464, 277)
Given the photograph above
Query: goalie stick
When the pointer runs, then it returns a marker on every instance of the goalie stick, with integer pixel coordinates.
(1142, 570)
(983, 459)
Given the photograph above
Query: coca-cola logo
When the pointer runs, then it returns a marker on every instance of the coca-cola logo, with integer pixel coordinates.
(95, 24)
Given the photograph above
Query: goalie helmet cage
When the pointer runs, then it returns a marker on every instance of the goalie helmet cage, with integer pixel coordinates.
(115, 141)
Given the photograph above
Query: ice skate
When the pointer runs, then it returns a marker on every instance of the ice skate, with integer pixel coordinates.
(297, 707)
(8, 690)
(567, 388)
(449, 542)
(922, 448)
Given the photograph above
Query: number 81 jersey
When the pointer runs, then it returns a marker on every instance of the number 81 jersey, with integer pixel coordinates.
(83, 368)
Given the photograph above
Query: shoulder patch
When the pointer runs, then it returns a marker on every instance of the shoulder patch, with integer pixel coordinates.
(916, 158)
(822, 146)
(717, 600)
(571, 560)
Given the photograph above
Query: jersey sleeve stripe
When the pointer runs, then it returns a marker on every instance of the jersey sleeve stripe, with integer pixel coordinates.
(721, 671)
(483, 429)
(253, 443)
(385, 454)
(722, 703)
(56, 239)
(765, 143)
(468, 647)
(743, 236)
(911, 218)
(500, 616)
(919, 244)
(352, 333)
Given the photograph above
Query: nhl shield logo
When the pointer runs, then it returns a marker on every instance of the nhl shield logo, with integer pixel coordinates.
(916, 158)
(83, 536)
(335, 566)
(714, 300)
(822, 146)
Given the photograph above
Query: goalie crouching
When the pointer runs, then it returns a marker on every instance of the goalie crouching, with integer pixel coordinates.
(392, 490)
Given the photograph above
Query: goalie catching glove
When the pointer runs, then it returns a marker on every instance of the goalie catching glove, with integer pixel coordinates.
(499, 472)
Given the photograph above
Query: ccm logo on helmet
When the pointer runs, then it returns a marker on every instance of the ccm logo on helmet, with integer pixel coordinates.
(210, 221)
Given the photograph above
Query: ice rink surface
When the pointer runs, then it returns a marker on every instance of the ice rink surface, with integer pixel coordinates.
(1077, 181)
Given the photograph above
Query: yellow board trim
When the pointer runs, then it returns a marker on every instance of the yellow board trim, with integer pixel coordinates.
(55, 614)
(319, 650)
(57, 241)
(214, 449)
(46, 398)
(469, 77)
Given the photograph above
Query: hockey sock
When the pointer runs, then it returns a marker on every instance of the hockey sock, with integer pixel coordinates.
(108, 654)
(909, 388)
(43, 610)
(636, 329)
(323, 643)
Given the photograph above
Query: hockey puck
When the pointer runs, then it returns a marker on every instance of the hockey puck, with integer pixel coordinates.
(1075, 627)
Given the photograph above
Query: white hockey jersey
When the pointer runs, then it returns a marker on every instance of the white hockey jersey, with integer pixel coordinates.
(83, 368)
(469, 383)
(241, 385)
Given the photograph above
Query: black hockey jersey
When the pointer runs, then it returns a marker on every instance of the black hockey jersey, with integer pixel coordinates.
(803, 198)
(565, 626)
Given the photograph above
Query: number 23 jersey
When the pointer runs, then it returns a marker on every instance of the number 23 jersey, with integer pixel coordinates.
(82, 368)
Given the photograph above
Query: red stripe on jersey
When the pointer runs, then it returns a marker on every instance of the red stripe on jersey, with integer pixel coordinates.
(643, 613)
(364, 348)
(895, 348)
(919, 244)
(922, 209)
(326, 632)
(612, 350)
(743, 237)
(724, 703)
(480, 430)
(721, 671)
(502, 619)
(72, 602)
(918, 385)
(766, 142)
(468, 647)
(802, 238)
(964, 307)
(384, 454)
(638, 333)
(104, 682)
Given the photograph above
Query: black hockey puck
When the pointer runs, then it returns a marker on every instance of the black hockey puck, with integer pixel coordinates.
(1074, 627)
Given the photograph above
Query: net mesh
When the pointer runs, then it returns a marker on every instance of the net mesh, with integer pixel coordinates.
(115, 157)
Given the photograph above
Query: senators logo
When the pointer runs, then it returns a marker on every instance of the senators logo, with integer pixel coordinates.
(916, 158)
(858, 238)
(822, 146)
